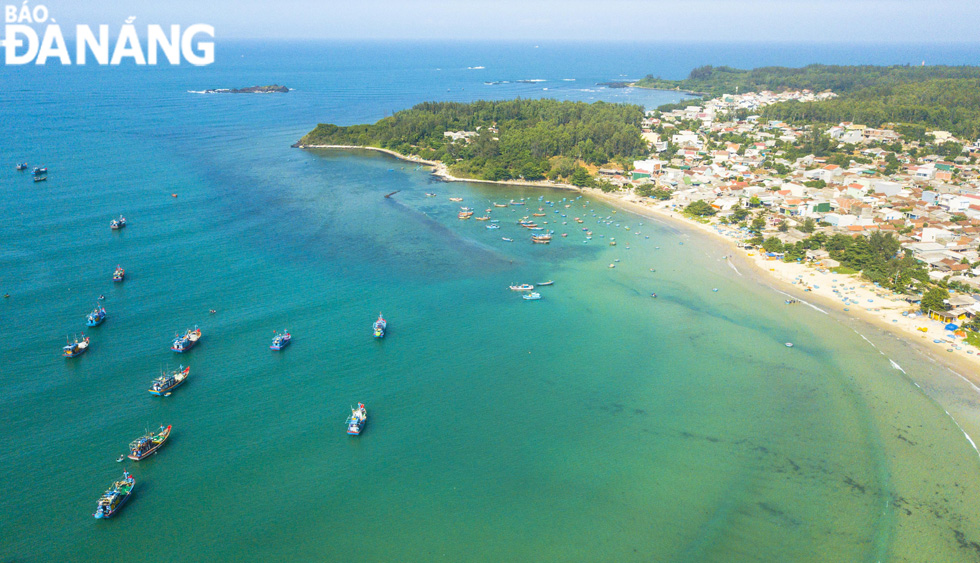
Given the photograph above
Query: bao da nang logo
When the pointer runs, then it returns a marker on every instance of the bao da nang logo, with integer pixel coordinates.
(31, 36)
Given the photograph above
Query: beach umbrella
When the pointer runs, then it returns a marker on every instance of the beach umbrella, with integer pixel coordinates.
(951, 327)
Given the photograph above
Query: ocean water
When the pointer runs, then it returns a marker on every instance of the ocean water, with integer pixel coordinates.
(596, 424)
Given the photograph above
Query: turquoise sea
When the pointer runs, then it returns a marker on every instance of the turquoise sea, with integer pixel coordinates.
(597, 424)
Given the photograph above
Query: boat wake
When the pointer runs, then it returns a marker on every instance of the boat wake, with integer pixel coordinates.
(807, 303)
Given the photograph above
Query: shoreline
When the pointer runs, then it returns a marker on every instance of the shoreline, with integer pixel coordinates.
(804, 283)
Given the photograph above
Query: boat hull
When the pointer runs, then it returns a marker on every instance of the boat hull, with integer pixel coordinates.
(186, 342)
(177, 383)
(162, 392)
(110, 514)
(78, 350)
(154, 449)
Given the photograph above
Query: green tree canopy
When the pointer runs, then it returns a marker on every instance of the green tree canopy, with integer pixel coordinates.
(935, 299)
(700, 208)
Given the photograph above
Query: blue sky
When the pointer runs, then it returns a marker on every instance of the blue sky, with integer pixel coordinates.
(541, 20)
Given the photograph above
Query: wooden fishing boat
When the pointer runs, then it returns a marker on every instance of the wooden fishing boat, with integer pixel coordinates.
(76, 348)
(119, 274)
(96, 317)
(166, 383)
(184, 343)
(148, 444)
(484, 218)
(357, 420)
(522, 287)
(113, 499)
(117, 224)
(280, 341)
(380, 326)
(455, 199)
(500, 205)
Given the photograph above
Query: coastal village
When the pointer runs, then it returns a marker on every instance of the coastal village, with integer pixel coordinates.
(722, 153)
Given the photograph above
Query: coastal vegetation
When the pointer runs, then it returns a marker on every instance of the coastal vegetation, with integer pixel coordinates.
(505, 140)
(878, 257)
(935, 97)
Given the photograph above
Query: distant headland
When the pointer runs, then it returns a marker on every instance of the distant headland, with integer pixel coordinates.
(273, 89)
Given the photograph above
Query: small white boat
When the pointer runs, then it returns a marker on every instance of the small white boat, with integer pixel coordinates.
(531, 296)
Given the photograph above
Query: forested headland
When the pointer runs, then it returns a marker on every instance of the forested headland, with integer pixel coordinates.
(935, 97)
(503, 140)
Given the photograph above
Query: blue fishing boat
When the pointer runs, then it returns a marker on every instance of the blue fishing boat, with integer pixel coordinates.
(357, 420)
(533, 296)
(280, 341)
(38, 171)
(22, 166)
(380, 326)
(76, 348)
(166, 383)
(184, 343)
(117, 224)
(114, 498)
(96, 317)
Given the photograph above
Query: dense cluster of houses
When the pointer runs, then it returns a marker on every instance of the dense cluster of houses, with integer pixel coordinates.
(931, 204)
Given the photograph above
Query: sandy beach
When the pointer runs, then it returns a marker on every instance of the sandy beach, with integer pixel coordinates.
(844, 294)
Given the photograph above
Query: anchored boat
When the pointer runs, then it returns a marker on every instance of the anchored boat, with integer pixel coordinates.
(534, 295)
(117, 224)
(96, 317)
(169, 381)
(22, 166)
(76, 348)
(119, 274)
(522, 287)
(186, 342)
(380, 326)
(114, 498)
(148, 444)
(357, 420)
(280, 341)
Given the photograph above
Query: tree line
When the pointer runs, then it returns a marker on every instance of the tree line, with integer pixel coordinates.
(515, 139)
